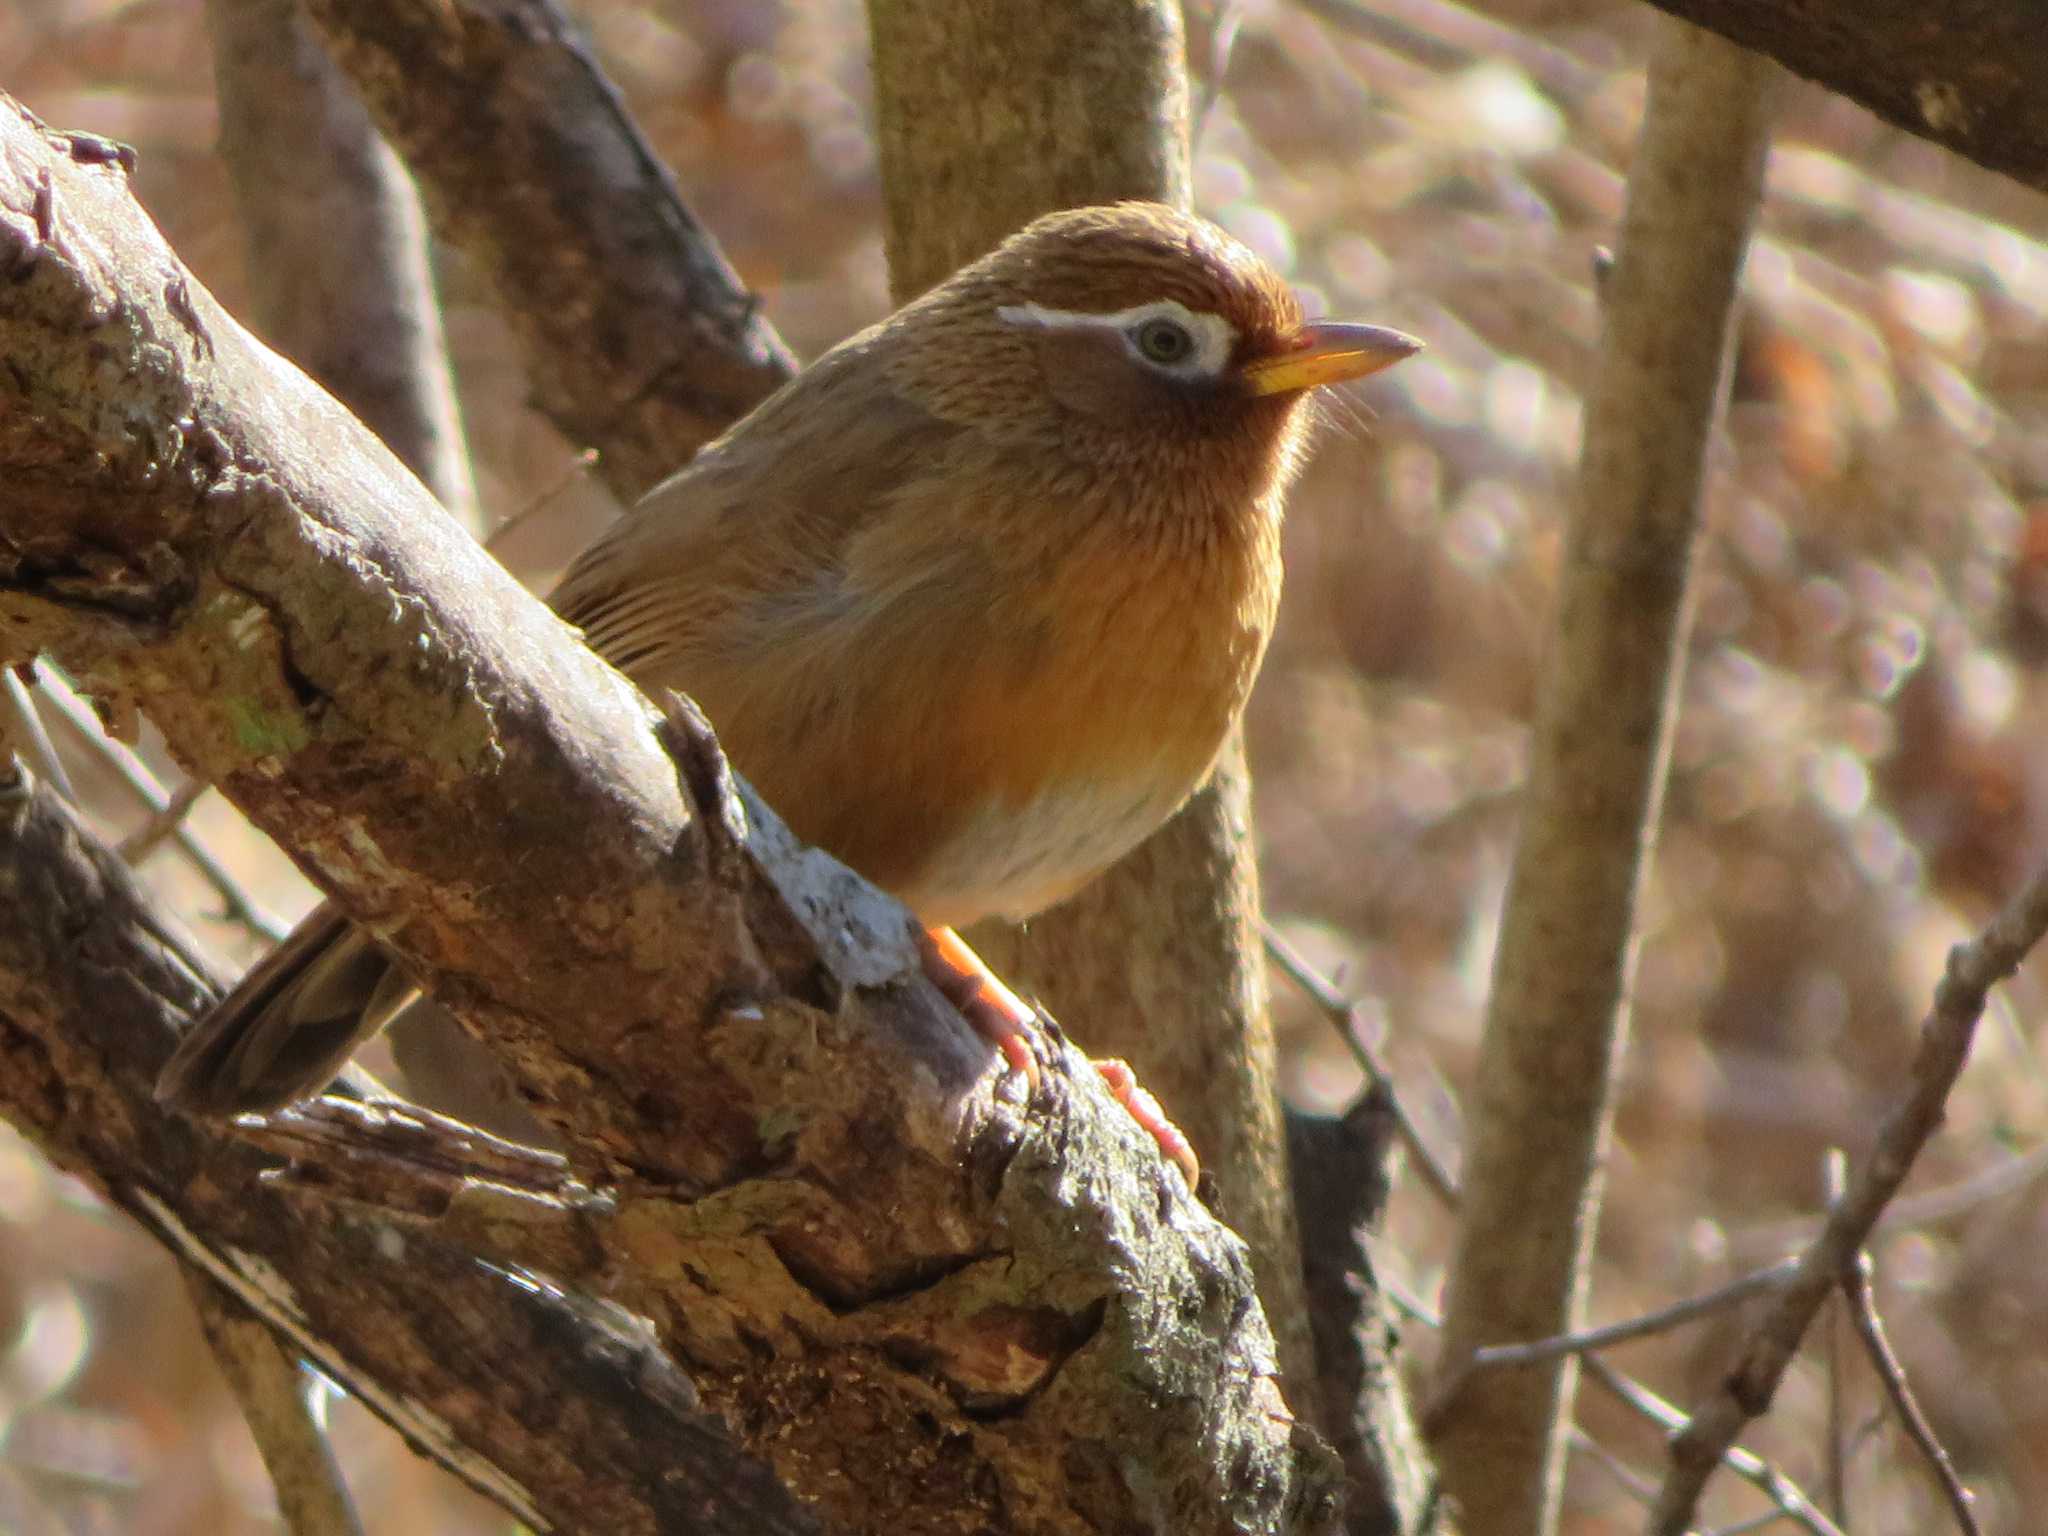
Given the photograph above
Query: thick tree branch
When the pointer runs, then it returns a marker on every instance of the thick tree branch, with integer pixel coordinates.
(924, 1309)
(640, 340)
(95, 983)
(1965, 74)
(337, 245)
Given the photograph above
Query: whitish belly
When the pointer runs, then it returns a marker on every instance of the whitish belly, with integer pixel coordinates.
(1014, 860)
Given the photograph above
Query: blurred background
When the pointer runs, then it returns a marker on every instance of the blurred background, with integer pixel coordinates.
(1851, 793)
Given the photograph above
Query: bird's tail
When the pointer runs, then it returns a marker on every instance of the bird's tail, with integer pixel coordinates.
(289, 1027)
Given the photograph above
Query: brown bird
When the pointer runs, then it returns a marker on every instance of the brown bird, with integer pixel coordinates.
(973, 601)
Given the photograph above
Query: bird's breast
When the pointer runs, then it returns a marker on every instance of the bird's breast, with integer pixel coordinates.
(981, 730)
(1090, 712)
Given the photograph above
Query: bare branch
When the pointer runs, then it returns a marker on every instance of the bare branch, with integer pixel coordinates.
(1663, 1319)
(2001, 1180)
(337, 269)
(1862, 1304)
(640, 340)
(151, 835)
(1945, 1035)
(22, 733)
(1785, 1494)
(1342, 1014)
(272, 1389)
(1791, 1500)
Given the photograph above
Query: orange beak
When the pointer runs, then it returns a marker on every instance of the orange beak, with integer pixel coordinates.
(1328, 352)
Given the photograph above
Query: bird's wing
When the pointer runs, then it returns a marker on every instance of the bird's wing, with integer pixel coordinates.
(748, 544)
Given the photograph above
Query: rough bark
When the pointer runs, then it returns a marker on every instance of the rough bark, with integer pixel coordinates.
(340, 283)
(95, 983)
(639, 339)
(1965, 74)
(925, 1308)
(983, 125)
(1342, 1173)
(1557, 1015)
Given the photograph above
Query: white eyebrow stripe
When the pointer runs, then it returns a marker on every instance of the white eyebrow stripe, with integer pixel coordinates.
(1215, 337)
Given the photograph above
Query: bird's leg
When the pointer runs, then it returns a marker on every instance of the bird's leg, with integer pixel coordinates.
(1006, 1021)
(998, 1015)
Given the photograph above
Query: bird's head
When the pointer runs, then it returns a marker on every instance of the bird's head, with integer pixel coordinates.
(1099, 323)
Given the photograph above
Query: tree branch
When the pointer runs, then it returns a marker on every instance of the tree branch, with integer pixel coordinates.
(1965, 75)
(922, 1308)
(639, 338)
(271, 1385)
(1747, 1388)
(95, 983)
(338, 273)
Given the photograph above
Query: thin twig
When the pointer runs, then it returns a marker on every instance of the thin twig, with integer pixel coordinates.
(271, 1387)
(20, 724)
(1342, 1013)
(240, 906)
(1862, 1305)
(2008, 1176)
(1638, 1487)
(1945, 1036)
(1505, 1356)
(145, 840)
(578, 468)
(1834, 1181)
(1791, 1500)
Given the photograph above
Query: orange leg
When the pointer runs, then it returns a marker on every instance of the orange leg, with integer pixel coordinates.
(999, 1015)
(1005, 1020)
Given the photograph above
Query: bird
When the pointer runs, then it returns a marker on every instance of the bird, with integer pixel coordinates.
(974, 602)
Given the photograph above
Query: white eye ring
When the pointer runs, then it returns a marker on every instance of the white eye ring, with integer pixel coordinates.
(1211, 338)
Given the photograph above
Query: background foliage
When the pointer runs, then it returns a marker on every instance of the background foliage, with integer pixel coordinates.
(1852, 789)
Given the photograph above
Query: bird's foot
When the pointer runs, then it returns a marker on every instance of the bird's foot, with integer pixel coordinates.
(1014, 1027)
(998, 1015)
(1173, 1146)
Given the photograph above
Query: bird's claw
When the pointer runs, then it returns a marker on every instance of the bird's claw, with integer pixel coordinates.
(1124, 1087)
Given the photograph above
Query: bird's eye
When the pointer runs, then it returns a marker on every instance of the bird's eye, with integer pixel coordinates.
(1163, 341)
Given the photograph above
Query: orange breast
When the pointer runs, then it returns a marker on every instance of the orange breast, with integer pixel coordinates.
(984, 743)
